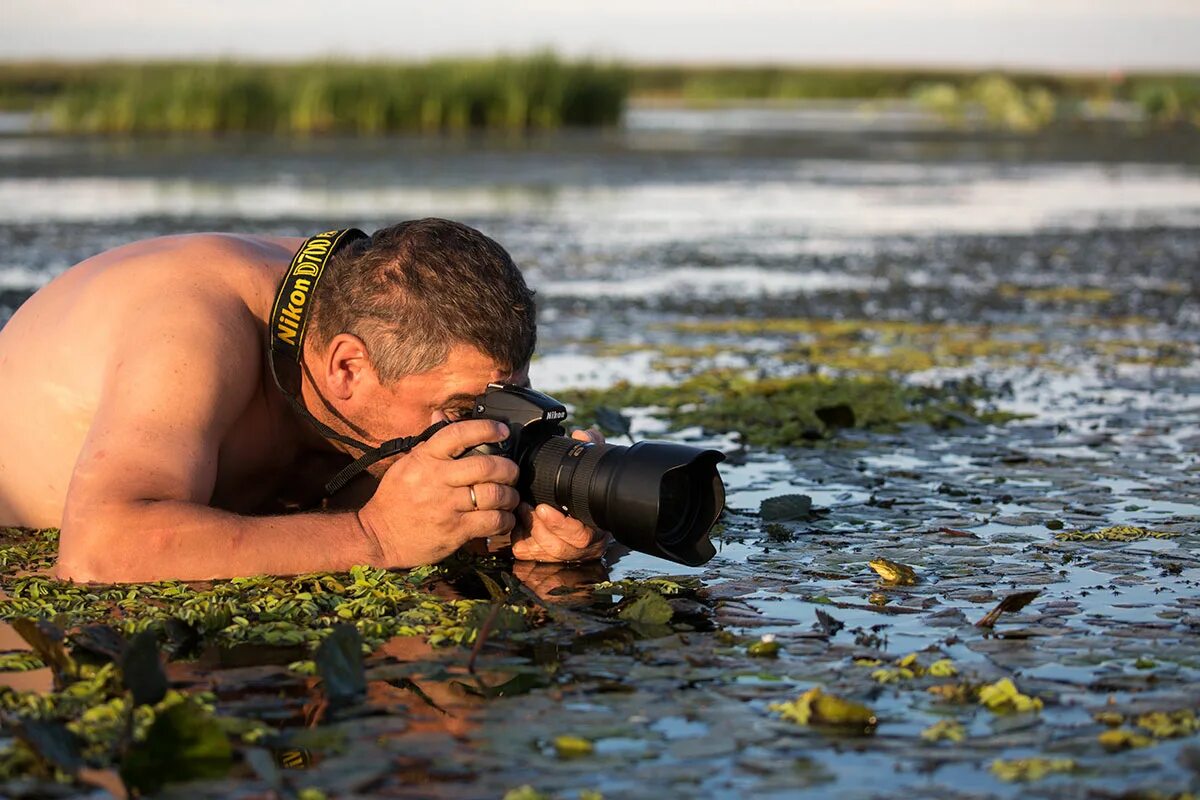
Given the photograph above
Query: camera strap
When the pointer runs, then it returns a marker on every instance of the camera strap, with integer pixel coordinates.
(285, 353)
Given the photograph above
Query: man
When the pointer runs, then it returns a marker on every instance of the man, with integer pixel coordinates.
(139, 413)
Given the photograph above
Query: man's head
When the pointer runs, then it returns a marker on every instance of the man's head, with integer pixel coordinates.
(410, 322)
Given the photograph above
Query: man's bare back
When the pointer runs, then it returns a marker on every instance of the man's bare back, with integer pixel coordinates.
(61, 346)
(137, 412)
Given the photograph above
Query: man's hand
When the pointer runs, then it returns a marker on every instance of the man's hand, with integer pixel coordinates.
(547, 534)
(423, 509)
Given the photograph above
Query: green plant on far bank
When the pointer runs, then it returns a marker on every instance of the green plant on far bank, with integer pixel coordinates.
(791, 411)
(534, 92)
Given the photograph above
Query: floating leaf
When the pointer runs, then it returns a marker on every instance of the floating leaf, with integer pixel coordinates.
(184, 743)
(1115, 533)
(943, 668)
(828, 623)
(814, 707)
(1009, 605)
(99, 640)
(787, 508)
(1030, 769)
(572, 747)
(1123, 739)
(340, 665)
(894, 572)
(766, 647)
(1003, 696)
(946, 729)
(648, 609)
(1169, 724)
(20, 661)
(141, 670)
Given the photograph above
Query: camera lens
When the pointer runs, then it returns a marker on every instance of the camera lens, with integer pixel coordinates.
(659, 498)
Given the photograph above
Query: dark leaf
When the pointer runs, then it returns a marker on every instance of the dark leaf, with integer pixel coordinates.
(183, 636)
(98, 640)
(497, 594)
(52, 741)
(612, 421)
(185, 743)
(142, 671)
(838, 416)
(340, 665)
(47, 642)
(1010, 604)
(787, 508)
(829, 624)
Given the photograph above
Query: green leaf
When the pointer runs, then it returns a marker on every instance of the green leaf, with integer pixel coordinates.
(142, 671)
(185, 743)
(649, 609)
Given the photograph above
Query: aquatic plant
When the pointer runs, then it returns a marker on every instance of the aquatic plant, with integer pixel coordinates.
(534, 92)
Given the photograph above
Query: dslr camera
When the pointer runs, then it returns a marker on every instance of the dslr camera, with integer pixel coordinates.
(659, 498)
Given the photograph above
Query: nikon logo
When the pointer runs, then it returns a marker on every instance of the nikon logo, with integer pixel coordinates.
(556, 415)
(306, 268)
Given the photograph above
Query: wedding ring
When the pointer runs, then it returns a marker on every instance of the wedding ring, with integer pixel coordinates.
(474, 500)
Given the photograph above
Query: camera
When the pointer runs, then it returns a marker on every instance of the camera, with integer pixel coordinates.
(659, 498)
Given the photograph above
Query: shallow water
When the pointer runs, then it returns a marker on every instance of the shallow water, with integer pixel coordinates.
(668, 220)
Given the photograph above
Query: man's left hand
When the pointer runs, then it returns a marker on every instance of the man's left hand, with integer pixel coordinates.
(547, 534)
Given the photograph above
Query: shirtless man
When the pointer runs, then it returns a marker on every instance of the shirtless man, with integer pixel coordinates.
(138, 411)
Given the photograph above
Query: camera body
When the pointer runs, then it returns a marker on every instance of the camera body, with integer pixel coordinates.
(659, 498)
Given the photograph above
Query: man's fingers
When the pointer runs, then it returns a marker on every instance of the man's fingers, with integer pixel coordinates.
(455, 439)
(481, 524)
(590, 435)
(558, 531)
(474, 470)
(489, 497)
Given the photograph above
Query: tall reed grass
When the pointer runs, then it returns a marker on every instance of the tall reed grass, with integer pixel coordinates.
(531, 92)
(539, 91)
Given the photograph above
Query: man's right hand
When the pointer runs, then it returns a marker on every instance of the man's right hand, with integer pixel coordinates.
(422, 510)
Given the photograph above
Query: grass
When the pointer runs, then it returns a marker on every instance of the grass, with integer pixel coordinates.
(539, 91)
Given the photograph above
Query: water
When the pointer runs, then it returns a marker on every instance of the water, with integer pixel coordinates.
(680, 217)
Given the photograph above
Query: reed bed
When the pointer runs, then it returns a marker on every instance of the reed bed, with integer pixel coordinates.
(540, 91)
(537, 92)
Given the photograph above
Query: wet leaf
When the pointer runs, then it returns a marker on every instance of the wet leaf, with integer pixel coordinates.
(943, 668)
(1009, 605)
(525, 792)
(340, 664)
(46, 640)
(1115, 533)
(944, 730)
(814, 707)
(1030, 769)
(184, 743)
(1123, 739)
(142, 671)
(99, 640)
(572, 747)
(1003, 696)
(893, 572)
(787, 508)
(648, 609)
(1169, 724)
(53, 742)
(766, 647)
(828, 623)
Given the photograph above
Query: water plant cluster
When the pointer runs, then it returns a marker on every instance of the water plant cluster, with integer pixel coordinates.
(540, 91)
(536, 92)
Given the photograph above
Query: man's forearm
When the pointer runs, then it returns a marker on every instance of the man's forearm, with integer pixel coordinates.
(176, 540)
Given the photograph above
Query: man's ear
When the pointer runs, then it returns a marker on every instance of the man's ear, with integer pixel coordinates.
(347, 366)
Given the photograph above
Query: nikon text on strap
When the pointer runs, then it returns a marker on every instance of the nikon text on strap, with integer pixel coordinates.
(288, 322)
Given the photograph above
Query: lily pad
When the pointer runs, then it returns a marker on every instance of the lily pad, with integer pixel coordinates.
(650, 608)
(787, 508)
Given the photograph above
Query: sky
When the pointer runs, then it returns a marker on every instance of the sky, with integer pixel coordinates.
(1056, 34)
